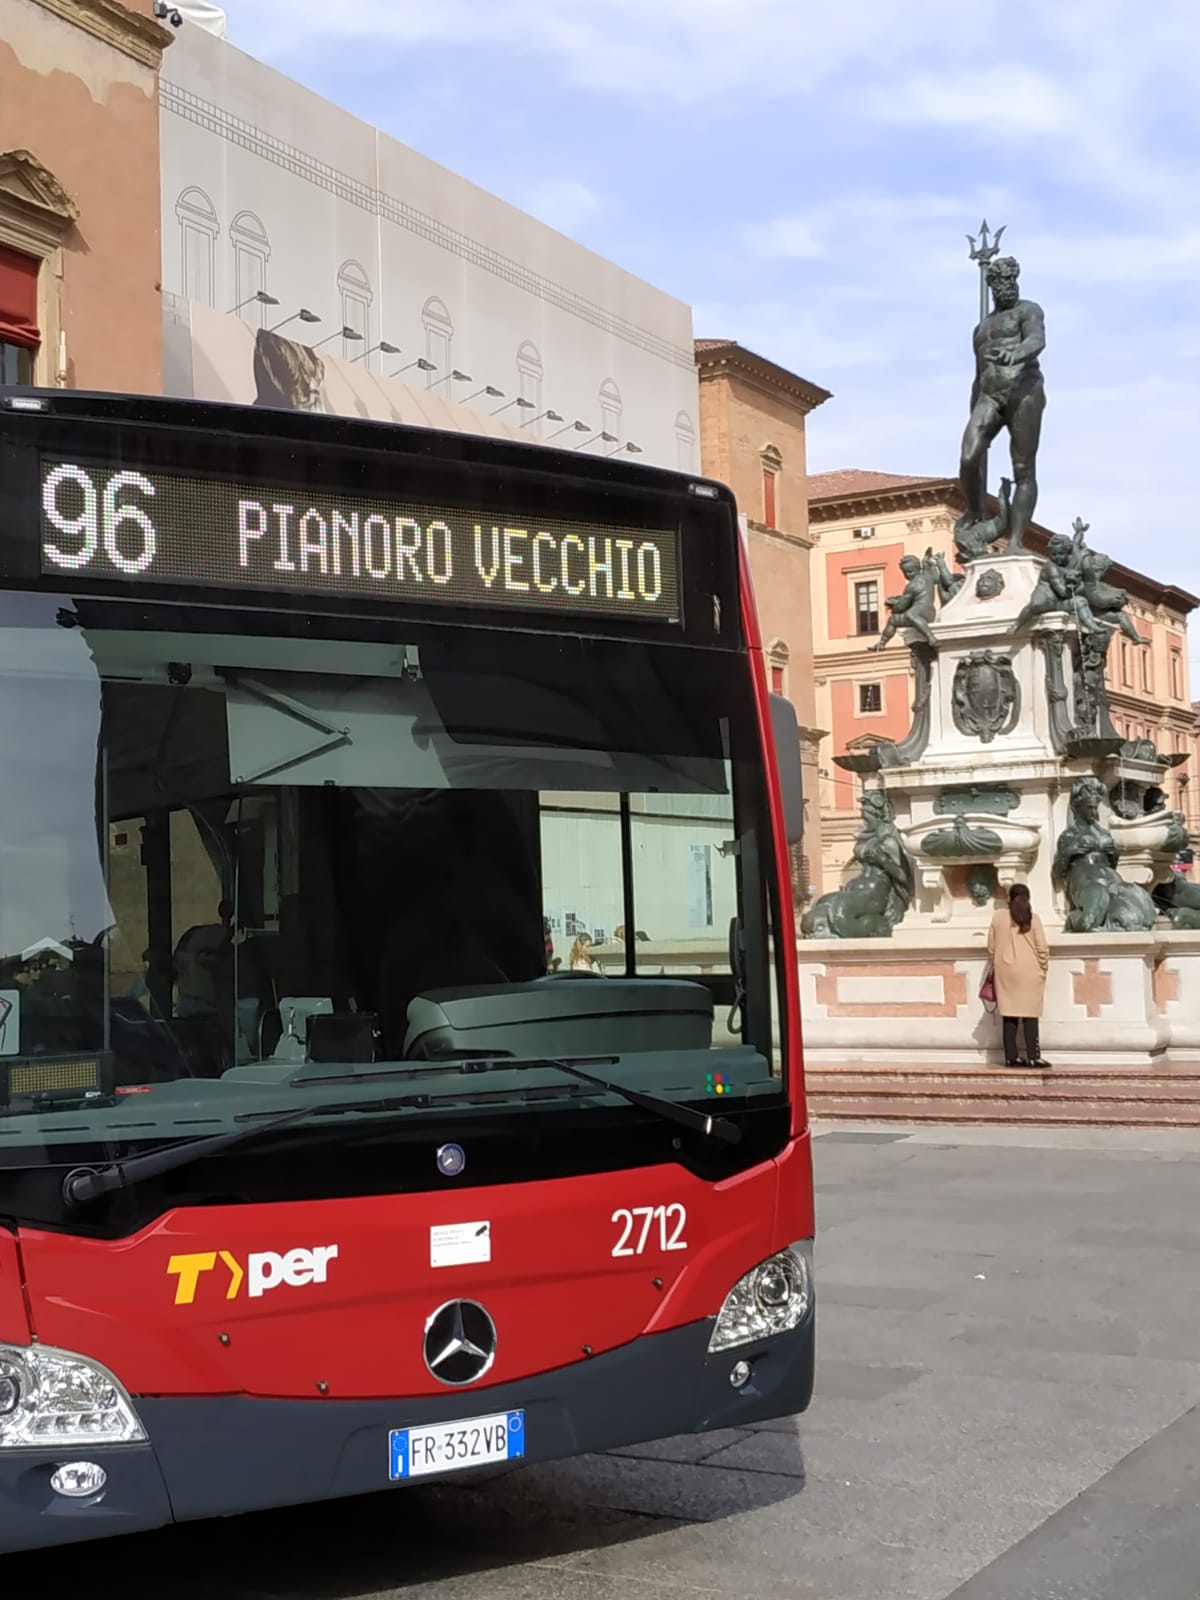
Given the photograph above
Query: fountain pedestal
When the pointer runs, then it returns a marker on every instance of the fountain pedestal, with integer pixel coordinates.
(1005, 723)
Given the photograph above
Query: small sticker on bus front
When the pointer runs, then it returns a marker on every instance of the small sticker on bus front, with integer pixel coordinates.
(460, 1244)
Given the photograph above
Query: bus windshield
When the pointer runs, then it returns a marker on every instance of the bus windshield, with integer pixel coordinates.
(249, 855)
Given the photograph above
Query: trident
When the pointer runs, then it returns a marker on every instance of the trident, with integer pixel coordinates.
(984, 251)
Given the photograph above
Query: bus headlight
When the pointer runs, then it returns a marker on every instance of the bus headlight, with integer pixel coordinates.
(776, 1296)
(51, 1397)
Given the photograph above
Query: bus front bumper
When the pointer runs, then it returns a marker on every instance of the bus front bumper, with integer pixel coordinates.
(220, 1456)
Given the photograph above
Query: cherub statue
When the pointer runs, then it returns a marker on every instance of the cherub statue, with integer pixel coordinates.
(1106, 604)
(1057, 588)
(948, 583)
(1073, 580)
(973, 540)
(915, 608)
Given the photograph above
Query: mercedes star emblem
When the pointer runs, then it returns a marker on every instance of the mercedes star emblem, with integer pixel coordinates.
(460, 1342)
(451, 1159)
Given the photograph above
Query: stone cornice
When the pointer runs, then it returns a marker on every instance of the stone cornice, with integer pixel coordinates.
(731, 361)
(839, 824)
(780, 535)
(1130, 702)
(134, 35)
(885, 502)
(888, 663)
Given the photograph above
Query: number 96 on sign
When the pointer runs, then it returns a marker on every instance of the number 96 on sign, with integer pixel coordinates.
(455, 1446)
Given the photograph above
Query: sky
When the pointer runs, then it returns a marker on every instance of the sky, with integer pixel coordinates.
(805, 174)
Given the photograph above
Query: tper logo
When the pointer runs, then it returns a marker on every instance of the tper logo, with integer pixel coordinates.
(263, 1271)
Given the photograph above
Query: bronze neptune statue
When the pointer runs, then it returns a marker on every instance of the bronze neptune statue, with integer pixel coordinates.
(1008, 392)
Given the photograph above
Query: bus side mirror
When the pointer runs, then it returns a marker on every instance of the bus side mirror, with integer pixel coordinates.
(787, 753)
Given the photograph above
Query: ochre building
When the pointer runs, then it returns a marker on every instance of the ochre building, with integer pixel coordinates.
(80, 302)
(752, 422)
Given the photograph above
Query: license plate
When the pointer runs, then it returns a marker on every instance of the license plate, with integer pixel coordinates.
(451, 1446)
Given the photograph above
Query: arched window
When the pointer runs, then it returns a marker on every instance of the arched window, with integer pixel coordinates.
(251, 252)
(685, 442)
(772, 466)
(529, 378)
(198, 227)
(610, 408)
(778, 657)
(356, 294)
(439, 339)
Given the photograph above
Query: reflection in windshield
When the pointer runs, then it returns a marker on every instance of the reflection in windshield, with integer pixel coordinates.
(228, 856)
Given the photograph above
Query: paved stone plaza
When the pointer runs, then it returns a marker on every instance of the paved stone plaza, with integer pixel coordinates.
(1008, 1408)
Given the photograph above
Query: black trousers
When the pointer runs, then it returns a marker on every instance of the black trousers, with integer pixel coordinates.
(1033, 1051)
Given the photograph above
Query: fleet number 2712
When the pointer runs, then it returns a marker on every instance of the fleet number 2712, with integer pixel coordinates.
(645, 1228)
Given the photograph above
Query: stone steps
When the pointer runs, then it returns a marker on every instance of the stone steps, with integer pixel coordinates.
(1166, 1099)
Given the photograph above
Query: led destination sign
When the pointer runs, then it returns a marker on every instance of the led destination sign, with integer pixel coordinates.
(166, 527)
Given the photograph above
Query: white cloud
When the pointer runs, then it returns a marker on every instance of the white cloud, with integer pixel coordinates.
(685, 51)
(567, 204)
(1112, 257)
(872, 237)
(785, 239)
(679, 51)
(1063, 90)
(1029, 104)
(801, 341)
(854, 221)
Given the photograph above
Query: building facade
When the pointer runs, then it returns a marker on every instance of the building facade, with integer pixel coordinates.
(864, 523)
(752, 437)
(417, 296)
(79, 194)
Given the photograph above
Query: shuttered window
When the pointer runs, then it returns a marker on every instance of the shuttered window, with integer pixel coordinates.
(18, 299)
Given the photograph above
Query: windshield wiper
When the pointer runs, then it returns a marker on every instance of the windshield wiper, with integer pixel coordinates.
(670, 1110)
(85, 1184)
(685, 1116)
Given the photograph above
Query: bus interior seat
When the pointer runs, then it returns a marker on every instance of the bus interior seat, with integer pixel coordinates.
(556, 1016)
(418, 955)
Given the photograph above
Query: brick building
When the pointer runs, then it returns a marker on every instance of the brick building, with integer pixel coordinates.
(752, 437)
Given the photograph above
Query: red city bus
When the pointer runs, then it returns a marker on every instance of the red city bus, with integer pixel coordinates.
(342, 1141)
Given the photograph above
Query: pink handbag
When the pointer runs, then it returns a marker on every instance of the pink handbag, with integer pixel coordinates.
(987, 989)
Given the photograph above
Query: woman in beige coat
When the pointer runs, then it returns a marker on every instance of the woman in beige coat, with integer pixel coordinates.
(1020, 960)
